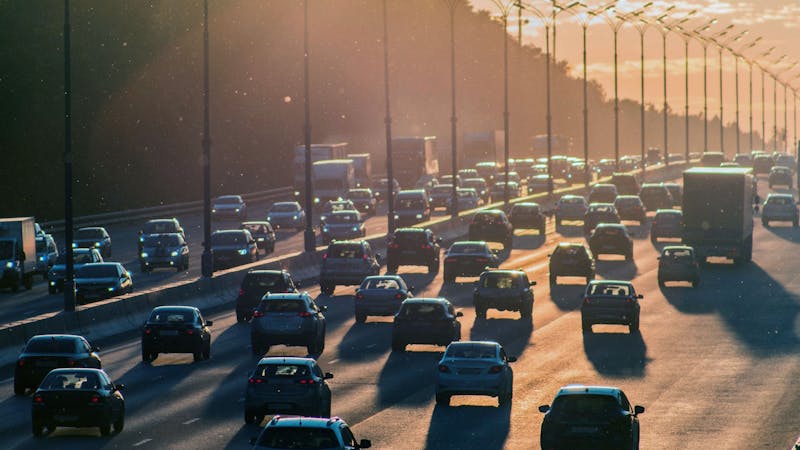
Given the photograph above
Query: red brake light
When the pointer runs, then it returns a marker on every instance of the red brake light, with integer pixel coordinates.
(359, 296)
(394, 245)
(586, 300)
(364, 256)
(38, 399)
(190, 331)
(147, 331)
(482, 259)
(241, 292)
(21, 362)
(325, 256)
(443, 368)
(304, 314)
(628, 300)
(306, 381)
(70, 362)
(398, 296)
(258, 313)
(450, 259)
(95, 399)
(255, 381)
(426, 246)
(495, 369)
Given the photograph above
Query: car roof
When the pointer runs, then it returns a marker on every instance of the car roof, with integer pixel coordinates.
(418, 300)
(175, 308)
(304, 422)
(571, 196)
(780, 194)
(384, 277)
(359, 190)
(91, 228)
(626, 283)
(236, 197)
(504, 272)
(409, 230)
(669, 211)
(286, 296)
(343, 212)
(490, 212)
(527, 204)
(286, 360)
(256, 222)
(604, 186)
(570, 244)
(162, 220)
(609, 225)
(107, 263)
(469, 243)
(677, 247)
(54, 336)
(83, 250)
(285, 203)
(228, 232)
(77, 369)
(576, 389)
(348, 242)
(266, 271)
(627, 197)
(410, 192)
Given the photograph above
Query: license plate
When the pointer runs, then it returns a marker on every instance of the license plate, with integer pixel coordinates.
(63, 418)
(45, 364)
(168, 332)
(408, 252)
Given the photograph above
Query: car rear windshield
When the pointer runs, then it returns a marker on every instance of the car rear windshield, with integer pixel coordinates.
(780, 201)
(228, 200)
(171, 316)
(283, 208)
(282, 370)
(345, 251)
(283, 306)
(572, 201)
(410, 203)
(586, 407)
(6, 249)
(570, 250)
(77, 257)
(678, 254)
(160, 227)
(501, 281)
(96, 271)
(298, 438)
(443, 189)
(71, 380)
(172, 240)
(473, 183)
(608, 231)
(359, 194)
(668, 218)
(41, 246)
(52, 345)
(410, 237)
(255, 228)
(337, 206)
(380, 283)
(89, 234)
(487, 218)
(228, 238)
(263, 282)
(467, 248)
(627, 201)
(421, 310)
(526, 209)
(609, 289)
(482, 351)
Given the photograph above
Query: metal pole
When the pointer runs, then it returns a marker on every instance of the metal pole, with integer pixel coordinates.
(69, 283)
(721, 123)
(388, 122)
(686, 92)
(549, 116)
(309, 238)
(705, 98)
(750, 118)
(785, 125)
(736, 82)
(616, 106)
(505, 106)
(763, 112)
(586, 172)
(774, 113)
(519, 23)
(641, 64)
(207, 260)
(553, 51)
(666, 112)
(453, 119)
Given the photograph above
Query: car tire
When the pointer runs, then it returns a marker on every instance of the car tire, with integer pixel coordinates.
(37, 427)
(398, 346)
(796, 223)
(480, 312)
(554, 279)
(361, 318)
(764, 221)
(695, 283)
(27, 280)
(586, 326)
(504, 399)
(634, 325)
(653, 238)
(391, 268)
(443, 399)
(660, 282)
(558, 222)
(19, 388)
(198, 355)
(148, 356)
(207, 350)
(252, 417)
(240, 317)
(119, 424)
(590, 277)
(629, 256)
(433, 267)
(542, 231)
(526, 311)
(52, 290)
(317, 347)
(105, 428)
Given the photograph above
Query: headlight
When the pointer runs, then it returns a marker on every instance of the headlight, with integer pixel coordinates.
(243, 251)
(10, 264)
(111, 289)
(260, 239)
(213, 210)
(355, 228)
(396, 217)
(74, 245)
(366, 206)
(316, 200)
(144, 255)
(174, 253)
(42, 258)
(98, 244)
(141, 239)
(325, 229)
(237, 209)
(294, 217)
(419, 216)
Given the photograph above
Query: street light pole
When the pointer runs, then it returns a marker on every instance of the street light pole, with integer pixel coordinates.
(686, 95)
(764, 99)
(452, 5)
(750, 82)
(722, 45)
(388, 122)
(206, 260)
(309, 238)
(69, 279)
(737, 55)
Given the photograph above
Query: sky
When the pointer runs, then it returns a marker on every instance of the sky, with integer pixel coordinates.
(775, 21)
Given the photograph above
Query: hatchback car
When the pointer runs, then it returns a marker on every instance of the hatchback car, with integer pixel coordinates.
(762, 164)
(263, 233)
(630, 207)
(655, 196)
(93, 237)
(229, 206)
(584, 416)
(381, 188)
(364, 200)
(101, 280)
(332, 206)
(176, 329)
(528, 215)
(785, 160)
(411, 207)
(467, 198)
(413, 247)
(440, 196)
(256, 284)
(570, 259)
(475, 368)
(678, 263)
(380, 295)
(603, 193)
(283, 215)
(539, 183)
(160, 226)
(780, 176)
(164, 250)
(779, 207)
(288, 319)
(468, 259)
(668, 223)
(342, 225)
(46, 254)
(80, 257)
(308, 432)
(570, 207)
(232, 248)
(46, 352)
(78, 398)
(347, 263)
(611, 238)
(431, 321)
(497, 192)
(492, 225)
(504, 290)
(599, 213)
(626, 183)
(610, 302)
(287, 385)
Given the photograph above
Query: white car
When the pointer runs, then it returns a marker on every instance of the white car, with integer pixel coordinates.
(229, 206)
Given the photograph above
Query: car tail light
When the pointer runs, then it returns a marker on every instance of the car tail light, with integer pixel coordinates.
(443, 368)
(482, 260)
(364, 256)
(586, 300)
(95, 399)
(398, 296)
(426, 246)
(38, 399)
(394, 246)
(629, 300)
(258, 313)
(148, 331)
(495, 369)
(241, 292)
(190, 331)
(306, 381)
(450, 259)
(71, 362)
(21, 362)
(255, 381)
(325, 256)
(304, 314)
(359, 296)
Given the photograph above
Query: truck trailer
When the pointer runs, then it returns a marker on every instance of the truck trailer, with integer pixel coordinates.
(332, 179)
(17, 252)
(414, 159)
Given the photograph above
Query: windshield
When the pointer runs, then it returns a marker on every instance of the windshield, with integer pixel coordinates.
(668, 218)
(473, 183)
(410, 237)
(345, 251)
(71, 380)
(501, 281)
(570, 250)
(96, 271)
(487, 218)
(609, 289)
(338, 206)
(443, 189)
(572, 201)
(160, 227)
(41, 246)
(380, 283)
(284, 306)
(343, 218)
(228, 238)
(171, 316)
(283, 208)
(255, 228)
(228, 201)
(410, 203)
(170, 240)
(683, 253)
(305, 438)
(481, 351)
(467, 248)
(77, 258)
(359, 194)
(780, 201)
(421, 310)
(89, 234)
(585, 407)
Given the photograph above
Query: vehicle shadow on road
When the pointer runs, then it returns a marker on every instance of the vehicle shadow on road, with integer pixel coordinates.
(638, 232)
(513, 334)
(689, 300)
(406, 373)
(366, 341)
(616, 353)
(460, 292)
(529, 241)
(786, 232)
(615, 269)
(570, 231)
(468, 427)
(567, 297)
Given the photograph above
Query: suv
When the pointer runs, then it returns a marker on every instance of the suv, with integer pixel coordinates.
(380, 295)
(712, 159)
(779, 207)
(655, 196)
(780, 176)
(528, 215)
(431, 321)
(668, 223)
(308, 432)
(492, 225)
(612, 302)
(604, 193)
(96, 237)
(288, 319)
(413, 247)
(570, 259)
(256, 284)
(611, 238)
(347, 263)
(678, 263)
(570, 207)
(626, 183)
(504, 290)
(160, 226)
(630, 207)
(587, 415)
(410, 207)
(599, 213)
(286, 385)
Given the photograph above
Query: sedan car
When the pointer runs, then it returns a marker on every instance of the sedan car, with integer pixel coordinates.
(780, 176)
(46, 254)
(284, 215)
(611, 238)
(668, 223)
(528, 215)
(80, 257)
(630, 207)
(611, 302)
(467, 198)
(497, 191)
(440, 196)
(176, 329)
(431, 321)
(232, 248)
(570, 207)
(308, 433)
(475, 368)
(779, 207)
(229, 206)
(603, 193)
(332, 206)
(46, 352)
(263, 233)
(571, 259)
(678, 263)
(380, 295)
(288, 319)
(655, 196)
(492, 225)
(364, 200)
(78, 398)
(93, 237)
(539, 183)
(468, 259)
(160, 226)
(479, 184)
(342, 225)
(256, 284)
(164, 250)
(102, 280)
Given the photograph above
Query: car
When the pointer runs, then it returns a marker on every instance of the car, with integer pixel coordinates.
(479, 184)
(332, 206)
(468, 259)
(283, 215)
(605, 167)
(497, 192)
(626, 183)
(160, 226)
(492, 225)
(513, 176)
(432, 321)
(678, 263)
(448, 179)
(308, 432)
(45, 352)
(475, 368)
(364, 200)
(584, 416)
(342, 225)
(381, 188)
(539, 183)
(504, 290)
(610, 302)
(570, 207)
(743, 159)
(413, 247)
(233, 247)
(488, 170)
(467, 198)
(780, 176)
(46, 254)
(730, 164)
(80, 257)
(78, 397)
(93, 237)
(176, 329)
(570, 259)
(164, 250)
(464, 174)
(257, 283)
(630, 207)
(411, 207)
(426, 182)
(655, 196)
(380, 295)
(528, 215)
(287, 385)
(779, 207)
(347, 263)
(667, 223)
(712, 159)
(603, 193)
(788, 161)
(580, 172)
(599, 213)
(263, 233)
(676, 192)
(288, 319)
(101, 280)
(762, 164)
(229, 206)
(611, 238)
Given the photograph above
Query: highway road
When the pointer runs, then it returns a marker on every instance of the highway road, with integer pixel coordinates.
(716, 367)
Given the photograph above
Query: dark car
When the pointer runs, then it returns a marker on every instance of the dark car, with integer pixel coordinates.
(611, 302)
(468, 259)
(176, 329)
(440, 196)
(381, 188)
(780, 207)
(46, 352)
(160, 226)
(570, 259)
(78, 398)
(611, 238)
(475, 368)
(347, 263)
(229, 206)
(626, 183)
(332, 206)
(284, 215)
(164, 250)
(780, 176)
(599, 213)
(586, 416)
(504, 290)
(308, 433)
(488, 170)
(263, 233)
(479, 184)
(364, 200)
(667, 223)
(655, 196)
(101, 280)
(630, 207)
(431, 321)
(80, 257)
(603, 193)
(411, 207)
(287, 385)
(256, 284)
(676, 192)
(232, 248)
(413, 247)
(288, 319)
(93, 237)
(492, 225)
(678, 263)
(380, 295)
(712, 159)
(762, 164)
(528, 215)
(570, 207)
(342, 225)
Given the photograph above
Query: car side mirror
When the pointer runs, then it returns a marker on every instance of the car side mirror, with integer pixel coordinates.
(252, 441)
(533, 283)
(364, 443)
(209, 323)
(638, 409)
(511, 359)
(640, 296)
(121, 387)
(459, 314)
(544, 408)
(328, 375)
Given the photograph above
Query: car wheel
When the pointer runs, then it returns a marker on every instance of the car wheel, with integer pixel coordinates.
(391, 268)
(629, 255)
(361, 318)
(240, 317)
(542, 231)
(449, 278)
(480, 312)
(443, 399)
(433, 267)
(398, 346)
(696, 283)
(251, 416)
(119, 424)
(653, 239)
(207, 350)
(198, 355)
(554, 279)
(660, 282)
(27, 280)
(147, 355)
(105, 429)
(764, 222)
(558, 222)
(589, 277)
(504, 399)
(526, 312)
(19, 388)
(634, 326)
(37, 427)
(586, 325)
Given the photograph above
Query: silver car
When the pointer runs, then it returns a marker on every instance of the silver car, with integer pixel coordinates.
(380, 295)
(779, 207)
(342, 225)
(475, 368)
(287, 215)
(230, 206)
(46, 253)
(571, 207)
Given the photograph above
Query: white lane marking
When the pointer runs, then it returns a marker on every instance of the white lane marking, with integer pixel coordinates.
(191, 421)
(333, 361)
(142, 442)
